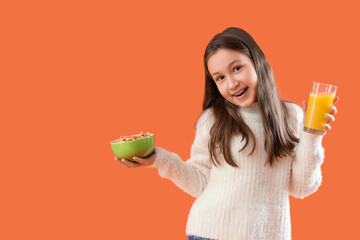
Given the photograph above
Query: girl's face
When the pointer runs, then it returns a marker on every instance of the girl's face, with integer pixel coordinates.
(235, 76)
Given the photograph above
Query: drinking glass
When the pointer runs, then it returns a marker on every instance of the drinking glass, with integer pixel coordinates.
(321, 98)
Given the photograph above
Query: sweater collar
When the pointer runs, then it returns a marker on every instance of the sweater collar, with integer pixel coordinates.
(253, 108)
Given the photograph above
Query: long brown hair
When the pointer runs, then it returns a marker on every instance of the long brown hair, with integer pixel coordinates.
(279, 130)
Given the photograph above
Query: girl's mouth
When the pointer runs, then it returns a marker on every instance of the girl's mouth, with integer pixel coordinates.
(242, 92)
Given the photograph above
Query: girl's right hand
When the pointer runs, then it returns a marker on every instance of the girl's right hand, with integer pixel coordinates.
(138, 162)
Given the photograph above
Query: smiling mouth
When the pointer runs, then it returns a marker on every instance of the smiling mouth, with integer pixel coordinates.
(241, 92)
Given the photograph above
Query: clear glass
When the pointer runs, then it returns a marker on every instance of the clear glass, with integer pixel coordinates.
(321, 98)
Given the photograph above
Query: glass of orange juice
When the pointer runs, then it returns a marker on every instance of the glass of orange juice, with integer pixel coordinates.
(321, 98)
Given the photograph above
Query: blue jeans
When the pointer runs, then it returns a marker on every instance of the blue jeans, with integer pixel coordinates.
(198, 238)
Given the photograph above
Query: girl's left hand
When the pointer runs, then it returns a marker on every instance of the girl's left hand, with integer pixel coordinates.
(330, 116)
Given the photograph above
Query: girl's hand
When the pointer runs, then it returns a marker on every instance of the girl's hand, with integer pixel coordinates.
(138, 162)
(330, 116)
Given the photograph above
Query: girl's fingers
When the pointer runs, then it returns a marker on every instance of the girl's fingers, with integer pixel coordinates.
(330, 117)
(129, 164)
(333, 110)
(139, 160)
(119, 160)
(149, 160)
(145, 161)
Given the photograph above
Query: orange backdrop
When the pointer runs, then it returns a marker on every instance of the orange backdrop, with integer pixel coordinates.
(77, 74)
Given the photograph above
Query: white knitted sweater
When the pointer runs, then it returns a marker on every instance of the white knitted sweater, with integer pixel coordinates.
(249, 202)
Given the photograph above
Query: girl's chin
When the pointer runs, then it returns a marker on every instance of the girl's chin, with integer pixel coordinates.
(244, 101)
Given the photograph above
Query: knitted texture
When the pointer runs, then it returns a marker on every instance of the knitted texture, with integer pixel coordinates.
(251, 201)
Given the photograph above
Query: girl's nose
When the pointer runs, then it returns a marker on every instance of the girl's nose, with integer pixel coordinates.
(232, 83)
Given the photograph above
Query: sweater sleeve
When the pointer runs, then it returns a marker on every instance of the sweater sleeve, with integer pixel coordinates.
(191, 176)
(306, 176)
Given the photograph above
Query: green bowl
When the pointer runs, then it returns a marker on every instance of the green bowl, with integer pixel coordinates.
(142, 148)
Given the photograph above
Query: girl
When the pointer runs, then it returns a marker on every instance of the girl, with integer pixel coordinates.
(250, 151)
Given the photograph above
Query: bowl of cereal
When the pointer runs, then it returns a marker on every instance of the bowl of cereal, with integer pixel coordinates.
(139, 145)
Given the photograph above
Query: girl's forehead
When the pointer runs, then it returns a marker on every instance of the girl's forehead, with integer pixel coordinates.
(222, 58)
(227, 54)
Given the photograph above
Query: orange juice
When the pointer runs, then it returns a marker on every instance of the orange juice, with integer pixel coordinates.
(318, 106)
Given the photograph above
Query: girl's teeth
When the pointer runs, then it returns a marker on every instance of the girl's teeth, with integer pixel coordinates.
(240, 93)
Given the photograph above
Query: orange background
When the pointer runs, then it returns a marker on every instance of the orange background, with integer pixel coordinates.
(77, 74)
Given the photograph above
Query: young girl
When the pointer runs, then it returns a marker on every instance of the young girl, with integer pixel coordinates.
(250, 151)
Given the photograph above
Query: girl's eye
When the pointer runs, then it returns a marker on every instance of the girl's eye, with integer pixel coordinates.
(236, 69)
(219, 78)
